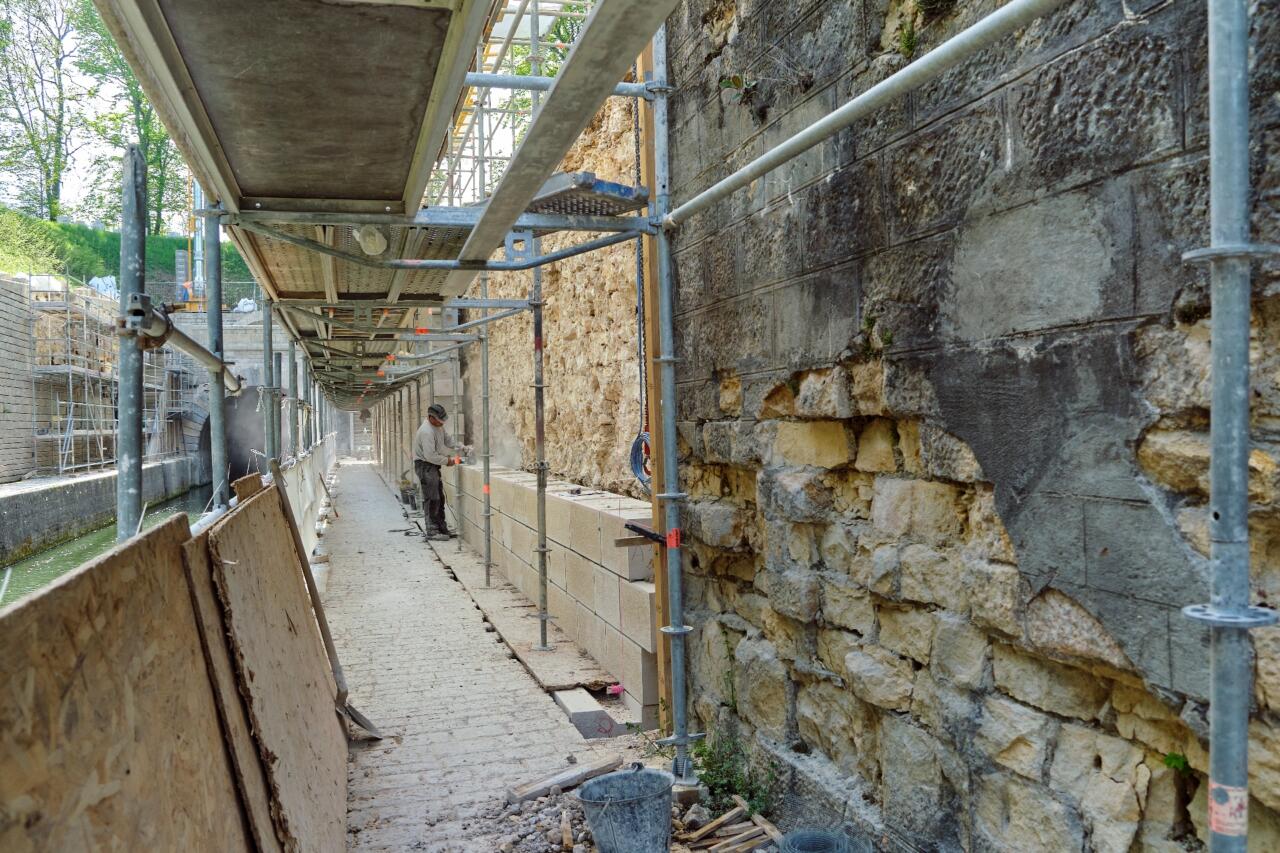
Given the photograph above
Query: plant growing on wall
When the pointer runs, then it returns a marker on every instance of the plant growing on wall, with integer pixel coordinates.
(724, 768)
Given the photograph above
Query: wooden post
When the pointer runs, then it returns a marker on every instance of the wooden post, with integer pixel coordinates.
(644, 66)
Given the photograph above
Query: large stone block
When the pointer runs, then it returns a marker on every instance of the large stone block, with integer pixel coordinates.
(638, 605)
(928, 576)
(842, 728)
(1106, 776)
(1047, 685)
(875, 447)
(792, 495)
(880, 677)
(851, 194)
(907, 632)
(584, 528)
(960, 652)
(1015, 736)
(581, 578)
(816, 318)
(822, 444)
(917, 797)
(761, 686)
(922, 509)
(995, 595)
(1013, 814)
(795, 593)
(638, 670)
(847, 604)
(607, 603)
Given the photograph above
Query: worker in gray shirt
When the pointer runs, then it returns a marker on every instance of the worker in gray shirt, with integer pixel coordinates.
(433, 449)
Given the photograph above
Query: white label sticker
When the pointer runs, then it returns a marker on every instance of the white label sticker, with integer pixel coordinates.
(1228, 809)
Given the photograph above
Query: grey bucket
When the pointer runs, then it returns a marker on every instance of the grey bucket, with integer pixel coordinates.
(629, 811)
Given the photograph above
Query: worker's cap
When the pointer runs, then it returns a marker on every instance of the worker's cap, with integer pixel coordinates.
(437, 411)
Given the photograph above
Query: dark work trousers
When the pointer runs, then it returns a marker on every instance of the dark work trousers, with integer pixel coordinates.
(432, 495)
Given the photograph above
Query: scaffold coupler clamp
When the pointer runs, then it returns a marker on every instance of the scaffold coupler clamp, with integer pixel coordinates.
(1228, 251)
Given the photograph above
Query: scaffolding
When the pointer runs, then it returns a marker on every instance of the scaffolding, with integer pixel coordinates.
(74, 382)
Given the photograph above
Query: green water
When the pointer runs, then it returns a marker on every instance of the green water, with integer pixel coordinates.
(26, 576)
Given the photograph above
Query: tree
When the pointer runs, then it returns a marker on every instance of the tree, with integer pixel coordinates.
(131, 118)
(40, 103)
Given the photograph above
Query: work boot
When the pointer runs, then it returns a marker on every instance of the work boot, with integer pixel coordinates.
(434, 535)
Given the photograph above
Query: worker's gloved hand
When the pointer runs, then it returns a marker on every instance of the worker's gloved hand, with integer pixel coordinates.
(467, 450)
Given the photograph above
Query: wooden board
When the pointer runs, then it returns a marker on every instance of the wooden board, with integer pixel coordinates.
(283, 672)
(250, 774)
(109, 731)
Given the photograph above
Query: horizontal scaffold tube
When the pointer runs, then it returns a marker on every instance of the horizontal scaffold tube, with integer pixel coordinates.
(950, 53)
(147, 322)
(543, 84)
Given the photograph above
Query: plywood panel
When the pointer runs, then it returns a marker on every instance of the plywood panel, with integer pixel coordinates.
(109, 733)
(283, 671)
(250, 774)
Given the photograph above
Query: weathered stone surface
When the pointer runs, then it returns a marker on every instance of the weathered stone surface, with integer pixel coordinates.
(918, 508)
(875, 447)
(1107, 777)
(995, 595)
(847, 604)
(760, 680)
(1179, 461)
(825, 394)
(842, 728)
(880, 677)
(1264, 762)
(718, 524)
(823, 444)
(1016, 815)
(986, 531)
(795, 593)
(833, 645)
(1061, 626)
(731, 395)
(929, 576)
(866, 379)
(1264, 825)
(916, 795)
(793, 495)
(1048, 685)
(960, 652)
(1015, 736)
(907, 632)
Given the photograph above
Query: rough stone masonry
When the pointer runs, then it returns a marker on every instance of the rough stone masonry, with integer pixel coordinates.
(944, 419)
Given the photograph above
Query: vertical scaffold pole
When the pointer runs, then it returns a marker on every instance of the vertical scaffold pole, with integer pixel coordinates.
(133, 257)
(670, 495)
(484, 434)
(1228, 613)
(457, 441)
(268, 383)
(539, 402)
(292, 391)
(277, 373)
(217, 393)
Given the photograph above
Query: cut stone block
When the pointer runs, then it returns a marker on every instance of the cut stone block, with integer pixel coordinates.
(638, 616)
(584, 529)
(563, 609)
(591, 720)
(633, 563)
(639, 672)
(607, 605)
(581, 578)
(646, 714)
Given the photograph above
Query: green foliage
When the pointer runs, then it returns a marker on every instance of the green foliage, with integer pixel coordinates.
(907, 37)
(24, 245)
(746, 87)
(935, 8)
(723, 766)
(1177, 761)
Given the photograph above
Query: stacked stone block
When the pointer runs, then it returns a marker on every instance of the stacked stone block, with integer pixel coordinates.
(600, 595)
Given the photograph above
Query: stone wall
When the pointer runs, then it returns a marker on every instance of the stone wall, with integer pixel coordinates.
(16, 446)
(591, 364)
(944, 407)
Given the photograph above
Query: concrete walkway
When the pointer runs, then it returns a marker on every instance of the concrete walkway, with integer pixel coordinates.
(463, 721)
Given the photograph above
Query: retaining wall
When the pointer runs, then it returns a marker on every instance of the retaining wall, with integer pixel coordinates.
(600, 595)
(39, 514)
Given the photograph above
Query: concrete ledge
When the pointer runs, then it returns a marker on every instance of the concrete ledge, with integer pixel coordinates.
(40, 513)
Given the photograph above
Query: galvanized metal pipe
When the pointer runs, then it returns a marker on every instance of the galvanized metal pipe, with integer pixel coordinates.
(217, 395)
(542, 84)
(277, 404)
(670, 494)
(1228, 613)
(268, 382)
(457, 469)
(484, 437)
(293, 399)
(133, 262)
(539, 400)
(1012, 16)
(440, 217)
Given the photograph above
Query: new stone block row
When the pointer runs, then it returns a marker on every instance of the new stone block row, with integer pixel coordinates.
(599, 594)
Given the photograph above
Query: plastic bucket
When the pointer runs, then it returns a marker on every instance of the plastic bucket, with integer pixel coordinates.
(629, 811)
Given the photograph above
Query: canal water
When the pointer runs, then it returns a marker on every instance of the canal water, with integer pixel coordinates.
(26, 576)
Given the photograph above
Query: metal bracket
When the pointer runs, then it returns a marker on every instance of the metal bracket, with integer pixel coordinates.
(674, 741)
(1249, 617)
(672, 630)
(653, 87)
(1230, 250)
(523, 239)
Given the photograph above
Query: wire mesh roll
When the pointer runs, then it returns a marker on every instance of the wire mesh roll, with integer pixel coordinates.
(814, 841)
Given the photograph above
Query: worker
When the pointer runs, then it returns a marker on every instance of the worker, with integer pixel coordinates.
(433, 449)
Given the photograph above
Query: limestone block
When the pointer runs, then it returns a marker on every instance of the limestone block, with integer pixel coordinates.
(521, 502)
(960, 652)
(927, 576)
(606, 596)
(911, 776)
(719, 524)
(922, 509)
(880, 677)
(875, 447)
(825, 394)
(581, 576)
(559, 508)
(1048, 685)
(557, 565)
(1107, 777)
(593, 636)
(908, 632)
(834, 645)
(995, 595)
(1264, 762)
(639, 613)
(1015, 736)
(1058, 624)
(821, 444)
(796, 495)
(584, 529)
(1179, 461)
(631, 563)
(788, 636)
(760, 680)
(847, 604)
(842, 728)
(646, 715)
(563, 610)
(795, 593)
(866, 380)
(1013, 814)
(638, 671)
(582, 709)
(523, 542)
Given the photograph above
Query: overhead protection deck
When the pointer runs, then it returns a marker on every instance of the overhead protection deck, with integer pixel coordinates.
(307, 118)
